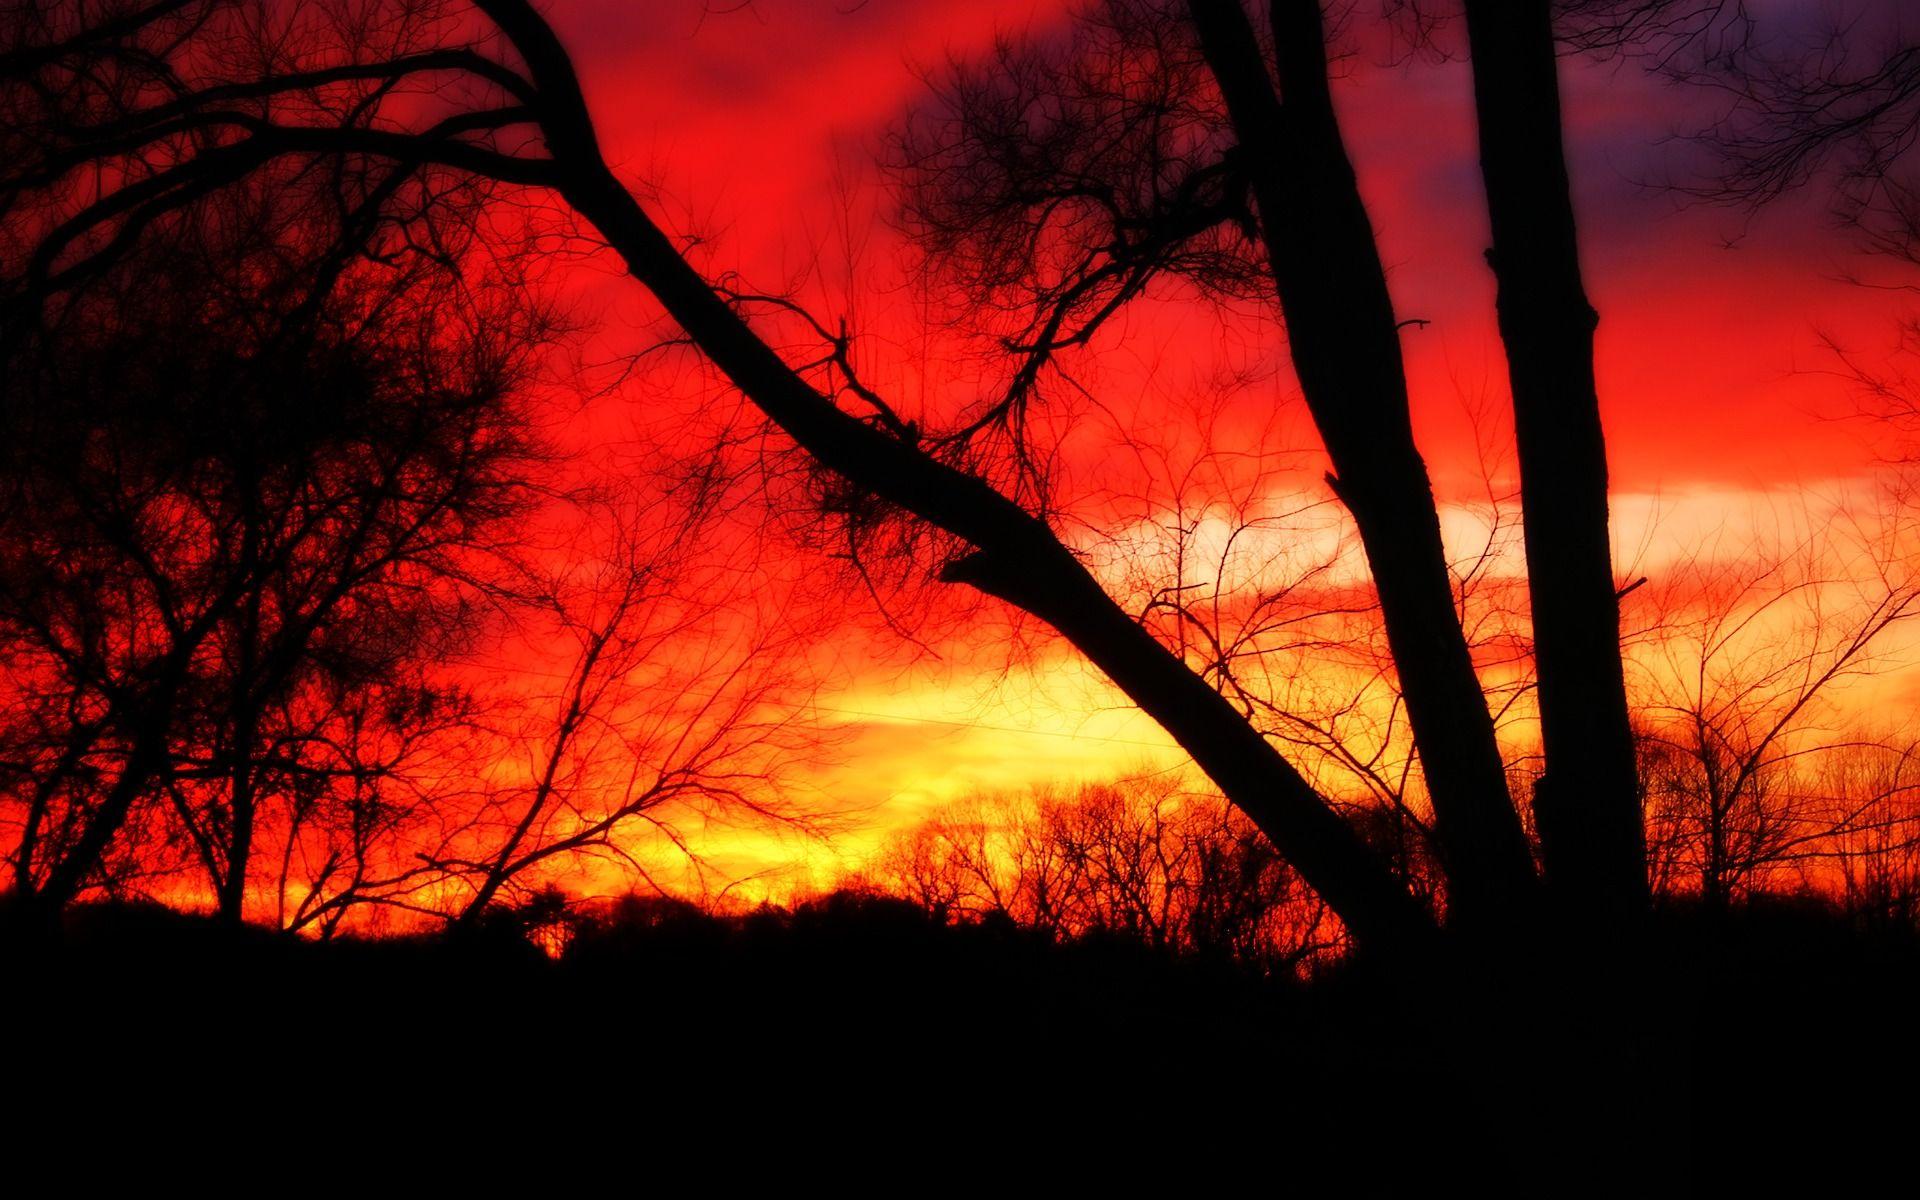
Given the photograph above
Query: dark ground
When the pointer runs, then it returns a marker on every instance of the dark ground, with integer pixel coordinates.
(861, 1045)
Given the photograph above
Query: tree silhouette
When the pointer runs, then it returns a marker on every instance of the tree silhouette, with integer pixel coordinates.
(275, 505)
(1142, 859)
(1748, 776)
(211, 94)
(241, 512)
(677, 699)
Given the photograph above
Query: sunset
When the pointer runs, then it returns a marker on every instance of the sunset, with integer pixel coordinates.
(1366, 545)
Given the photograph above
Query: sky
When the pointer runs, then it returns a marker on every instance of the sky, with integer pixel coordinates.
(753, 125)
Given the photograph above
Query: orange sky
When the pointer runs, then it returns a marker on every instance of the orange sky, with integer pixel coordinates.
(753, 127)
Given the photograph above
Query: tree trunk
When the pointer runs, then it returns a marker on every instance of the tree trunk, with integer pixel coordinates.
(1345, 344)
(232, 896)
(1586, 805)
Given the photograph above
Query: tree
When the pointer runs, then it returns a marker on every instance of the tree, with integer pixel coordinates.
(677, 701)
(319, 511)
(243, 513)
(1746, 770)
(216, 93)
(1874, 849)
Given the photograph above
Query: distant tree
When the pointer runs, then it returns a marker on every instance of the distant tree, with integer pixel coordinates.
(1742, 659)
(1144, 859)
(1873, 853)
(678, 700)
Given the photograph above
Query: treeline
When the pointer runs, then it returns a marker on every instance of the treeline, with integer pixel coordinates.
(1152, 860)
(1143, 860)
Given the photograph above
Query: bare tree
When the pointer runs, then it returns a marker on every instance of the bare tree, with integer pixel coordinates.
(1145, 859)
(340, 849)
(229, 511)
(1744, 656)
(680, 701)
(1872, 858)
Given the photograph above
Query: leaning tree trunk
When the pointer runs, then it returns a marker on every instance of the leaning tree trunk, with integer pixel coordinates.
(1586, 804)
(1345, 344)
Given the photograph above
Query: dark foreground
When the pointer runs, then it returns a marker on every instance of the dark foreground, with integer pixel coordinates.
(860, 1045)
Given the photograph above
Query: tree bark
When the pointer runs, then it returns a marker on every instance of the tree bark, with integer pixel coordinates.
(1345, 345)
(1586, 804)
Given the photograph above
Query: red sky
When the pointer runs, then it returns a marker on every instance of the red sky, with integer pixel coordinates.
(753, 125)
(743, 118)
